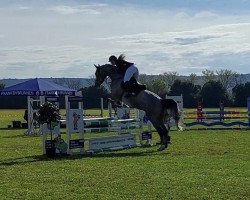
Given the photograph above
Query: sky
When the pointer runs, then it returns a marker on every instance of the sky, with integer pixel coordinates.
(62, 38)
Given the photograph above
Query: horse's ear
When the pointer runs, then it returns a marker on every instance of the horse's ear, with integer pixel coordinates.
(97, 66)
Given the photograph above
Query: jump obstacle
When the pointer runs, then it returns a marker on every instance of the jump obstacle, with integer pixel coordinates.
(115, 122)
(77, 126)
(76, 143)
(220, 118)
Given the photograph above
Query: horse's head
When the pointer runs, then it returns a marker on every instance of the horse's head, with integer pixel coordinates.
(100, 75)
(102, 71)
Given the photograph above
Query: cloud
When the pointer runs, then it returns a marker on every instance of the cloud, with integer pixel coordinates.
(23, 8)
(192, 40)
(66, 38)
(202, 48)
(206, 15)
(185, 52)
(228, 37)
(44, 61)
(87, 9)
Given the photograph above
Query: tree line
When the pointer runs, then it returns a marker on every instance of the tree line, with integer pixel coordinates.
(213, 87)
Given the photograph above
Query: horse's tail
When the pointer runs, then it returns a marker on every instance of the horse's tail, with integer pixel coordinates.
(172, 110)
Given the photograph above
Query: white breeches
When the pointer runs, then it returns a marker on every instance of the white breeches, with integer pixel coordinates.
(132, 71)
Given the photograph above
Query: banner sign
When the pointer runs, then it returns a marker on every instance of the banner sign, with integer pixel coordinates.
(124, 140)
(75, 120)
(75, 99)
(52, 99)
(146, 135)
(49, 144)
(36, 93)
(73, 144)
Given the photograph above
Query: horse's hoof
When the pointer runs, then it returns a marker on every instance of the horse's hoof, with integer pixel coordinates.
(162, 147)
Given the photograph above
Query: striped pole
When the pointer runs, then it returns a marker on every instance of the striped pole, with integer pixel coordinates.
(96, 123)
(98, 119)
(108, 129)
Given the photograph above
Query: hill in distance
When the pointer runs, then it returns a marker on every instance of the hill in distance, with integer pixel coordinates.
(86, 82)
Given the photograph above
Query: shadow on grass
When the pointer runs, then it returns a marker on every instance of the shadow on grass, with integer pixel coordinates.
(11, 129)
(15, 136)
(24, 135)
(23, 160)
(40, 158)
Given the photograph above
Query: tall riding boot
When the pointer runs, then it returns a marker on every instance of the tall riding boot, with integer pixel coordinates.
(137, 87)
(126, 86)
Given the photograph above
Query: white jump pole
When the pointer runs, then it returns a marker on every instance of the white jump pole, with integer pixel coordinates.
(110, 108)
(70, 130)
(101, 107)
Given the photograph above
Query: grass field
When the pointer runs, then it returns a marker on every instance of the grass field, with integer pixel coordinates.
(197, 165)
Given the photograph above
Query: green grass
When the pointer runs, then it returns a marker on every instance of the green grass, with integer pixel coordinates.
(197, 165)
(7, 116)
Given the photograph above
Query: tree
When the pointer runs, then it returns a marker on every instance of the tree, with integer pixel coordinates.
(213, 93)
(13, 102)
(73, 83)
(92, 96)
(91, 80)
(158, 86)
(176, 88)
(49, 113)
(143, 78)
(2, 86)
(208, 75)
(192, 78)
(170, 77)
(240, 93)
(241, 79)
(189, 91)
(228, 78)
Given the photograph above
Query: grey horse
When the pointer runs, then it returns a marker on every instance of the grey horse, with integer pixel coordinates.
(158, 110)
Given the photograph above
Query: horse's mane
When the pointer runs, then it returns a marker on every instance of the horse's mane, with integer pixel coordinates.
(121, 58)
(109, 68)
(111, 71)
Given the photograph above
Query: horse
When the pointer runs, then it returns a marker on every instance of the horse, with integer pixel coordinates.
(157, 110)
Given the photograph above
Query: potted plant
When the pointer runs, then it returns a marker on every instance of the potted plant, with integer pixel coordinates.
(49, 113)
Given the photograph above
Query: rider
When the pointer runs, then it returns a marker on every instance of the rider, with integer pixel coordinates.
(130, 72)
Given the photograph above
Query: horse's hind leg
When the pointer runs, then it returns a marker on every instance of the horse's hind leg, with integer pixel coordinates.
(163, 133)
(165, 137)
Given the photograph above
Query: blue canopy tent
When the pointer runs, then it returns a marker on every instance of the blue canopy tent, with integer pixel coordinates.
(36, 90)
(37, 87)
